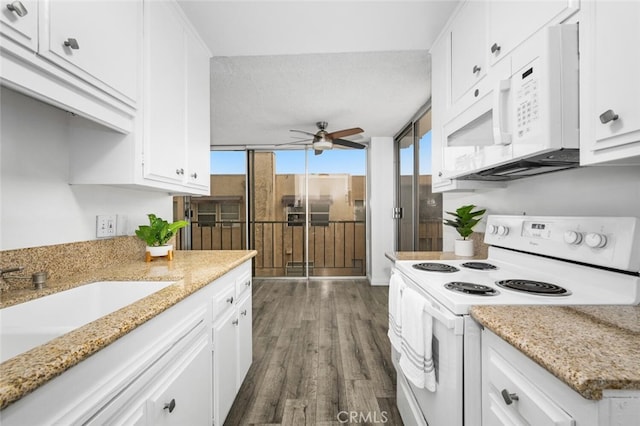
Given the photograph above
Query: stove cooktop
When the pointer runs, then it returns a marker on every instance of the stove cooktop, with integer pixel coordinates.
(509, 277)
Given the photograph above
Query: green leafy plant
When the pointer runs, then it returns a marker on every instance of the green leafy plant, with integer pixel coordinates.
(465, 220)
(159, 231)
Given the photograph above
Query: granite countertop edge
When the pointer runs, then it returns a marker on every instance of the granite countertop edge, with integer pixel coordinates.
(189, 270)
(596, 349)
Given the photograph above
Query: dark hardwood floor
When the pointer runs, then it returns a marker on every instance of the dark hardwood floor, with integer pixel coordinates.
(321, 356)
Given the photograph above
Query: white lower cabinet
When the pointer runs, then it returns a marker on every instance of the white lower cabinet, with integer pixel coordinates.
(518, 391)
(164, 372)
(232, 344)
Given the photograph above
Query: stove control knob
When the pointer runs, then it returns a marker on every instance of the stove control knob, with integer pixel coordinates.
(503, 230)
(493, 229)
(572, 237)
(594, 240)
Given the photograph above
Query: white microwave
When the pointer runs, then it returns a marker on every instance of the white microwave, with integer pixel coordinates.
(528, 123)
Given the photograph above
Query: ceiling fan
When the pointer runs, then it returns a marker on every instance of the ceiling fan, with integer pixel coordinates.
(324, 140)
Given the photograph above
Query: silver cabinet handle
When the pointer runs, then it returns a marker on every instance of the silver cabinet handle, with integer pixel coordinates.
(509, 397)
(180, 171)
(18, 8)
(244, 313)
(234, 322)
(495, 48)
(72, 43)
(170, 405)
(248, 283)
(194, 175)
(230, 300)
(608, 116)
(476, 69)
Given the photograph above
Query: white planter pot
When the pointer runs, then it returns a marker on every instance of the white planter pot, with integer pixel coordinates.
(156, 251)
(463, 248)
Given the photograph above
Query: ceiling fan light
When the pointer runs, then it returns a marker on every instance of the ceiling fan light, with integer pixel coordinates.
(322, 144)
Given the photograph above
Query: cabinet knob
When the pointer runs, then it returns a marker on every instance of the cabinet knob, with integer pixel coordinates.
(72, 43)
(476, 69)
(170, 405)
(439, 174)
(235, 321)
(495, 48)
(194, 175)
(509, 397)
(18, 8)
(608, 116)
(244, 313)
(180, 171)
(230, 300)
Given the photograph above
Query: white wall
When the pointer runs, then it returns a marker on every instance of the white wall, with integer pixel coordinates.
(380, 197)
(586, 191)
(37, 205)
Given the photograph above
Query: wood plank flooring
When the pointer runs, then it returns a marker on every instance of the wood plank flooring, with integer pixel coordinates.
(321, 356)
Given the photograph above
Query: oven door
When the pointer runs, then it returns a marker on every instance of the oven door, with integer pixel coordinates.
(445, 406)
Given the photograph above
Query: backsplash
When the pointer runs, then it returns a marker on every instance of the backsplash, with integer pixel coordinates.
(61, 260)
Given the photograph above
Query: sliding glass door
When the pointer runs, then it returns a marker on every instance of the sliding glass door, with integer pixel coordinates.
(307, 212)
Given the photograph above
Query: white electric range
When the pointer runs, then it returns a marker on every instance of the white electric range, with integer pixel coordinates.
(531, 261)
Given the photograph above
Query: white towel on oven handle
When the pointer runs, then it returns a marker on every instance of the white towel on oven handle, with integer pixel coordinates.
(416, 360)
(396, 286)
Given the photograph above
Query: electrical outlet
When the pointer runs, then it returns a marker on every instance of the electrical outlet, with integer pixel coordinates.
(123, 224)
(106, 225)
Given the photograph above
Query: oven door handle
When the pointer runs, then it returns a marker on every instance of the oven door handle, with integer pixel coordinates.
(449, 320)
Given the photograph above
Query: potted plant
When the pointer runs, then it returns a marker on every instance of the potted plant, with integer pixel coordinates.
(157, 234)
(465, 220)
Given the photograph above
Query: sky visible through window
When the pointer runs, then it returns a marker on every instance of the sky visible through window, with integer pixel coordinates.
(352, 161)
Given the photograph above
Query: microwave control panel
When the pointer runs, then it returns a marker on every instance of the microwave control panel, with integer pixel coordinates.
(527, 101)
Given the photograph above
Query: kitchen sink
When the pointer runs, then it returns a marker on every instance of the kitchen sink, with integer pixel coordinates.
(33, 323)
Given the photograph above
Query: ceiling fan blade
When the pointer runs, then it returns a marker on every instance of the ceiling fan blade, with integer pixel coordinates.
(302, 131)
(345, 132)
(301, 141)
(349, 144)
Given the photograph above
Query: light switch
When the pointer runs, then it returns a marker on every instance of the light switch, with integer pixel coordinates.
(106, 226)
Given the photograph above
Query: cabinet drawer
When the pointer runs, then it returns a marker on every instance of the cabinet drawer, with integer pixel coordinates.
(513, 399)
(224, 301)
(243, 284)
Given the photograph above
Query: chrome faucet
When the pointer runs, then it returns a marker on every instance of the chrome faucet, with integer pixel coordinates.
(38, 279)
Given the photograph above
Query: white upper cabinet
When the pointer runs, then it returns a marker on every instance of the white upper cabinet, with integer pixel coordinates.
(99, 41)
(176, 147)
(169, 148)
(87, 56)
(165, 90)
(610, 83)
(512, 22)
(19, 22)
(468, 58)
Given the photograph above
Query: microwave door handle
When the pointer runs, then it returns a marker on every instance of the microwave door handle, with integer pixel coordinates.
(500, 104)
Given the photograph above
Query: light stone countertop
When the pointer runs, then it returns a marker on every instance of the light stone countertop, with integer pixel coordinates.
(191, 271)
(590, 348)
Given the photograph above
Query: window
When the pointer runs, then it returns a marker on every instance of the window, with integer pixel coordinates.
(210, 212)
(207, 213)
(230, 214)
(359, 211)
(319, 215)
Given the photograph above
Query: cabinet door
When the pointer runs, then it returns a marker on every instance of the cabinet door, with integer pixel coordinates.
(165, 87)
(183, 393)
(245, 334)
(198, 117)
(616, 83)
(224, 364)
(512, 22)
(21, 29)
(99, 41)
(468, 56)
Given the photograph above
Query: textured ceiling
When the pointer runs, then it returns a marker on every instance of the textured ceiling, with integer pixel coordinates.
(286, 65)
